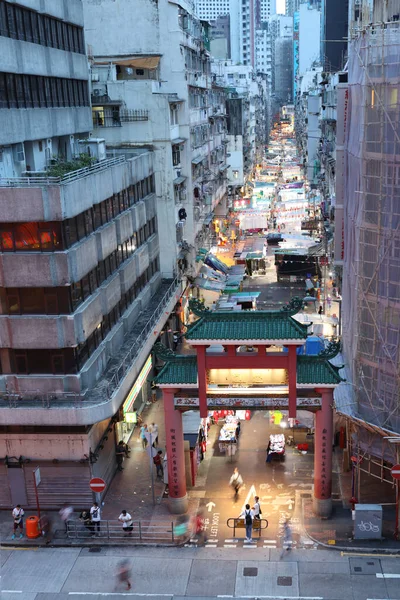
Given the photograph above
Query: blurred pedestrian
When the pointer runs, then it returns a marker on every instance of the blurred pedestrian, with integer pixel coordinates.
(199, 528)
(320, 311)
(158, 460)
(181, 528)
(65, 513)
(142, 435)
(123, 575)
(287, 538)
(127, 523)
(175, 340)
(236, 481)
(18, 519)
(45, 525)
(154, 430)
(96, 517)
(87, 520)
(120, 455)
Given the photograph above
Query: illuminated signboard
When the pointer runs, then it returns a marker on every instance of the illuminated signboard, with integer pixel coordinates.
(135, 389)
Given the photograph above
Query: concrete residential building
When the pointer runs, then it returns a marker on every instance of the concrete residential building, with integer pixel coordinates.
(159, 87)
(279, 27)
(81, 291)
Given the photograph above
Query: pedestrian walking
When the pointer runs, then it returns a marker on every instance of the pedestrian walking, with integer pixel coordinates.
(18, 518)
(127, 523)
(87, 520)
(123, 575)
(126, 448)
(320, 311)
(175, 340)
(120, 455)
(142, 435)
(154, 431)
(257, 508)
(181, 528)
(236, 481)
(46, 527)
(158, 460)
(95, 514)
(199, 528)
(248, 516)
(65, 513)
(287, 538)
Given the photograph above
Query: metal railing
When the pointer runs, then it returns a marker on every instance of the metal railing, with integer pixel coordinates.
(237, 523)
(140, 532)
(128, 115)
(38, 181)
(140, 341)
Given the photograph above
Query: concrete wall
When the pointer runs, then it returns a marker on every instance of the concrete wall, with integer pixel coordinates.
(45, 446)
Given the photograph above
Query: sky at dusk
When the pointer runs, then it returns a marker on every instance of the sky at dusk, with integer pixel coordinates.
(280, 7)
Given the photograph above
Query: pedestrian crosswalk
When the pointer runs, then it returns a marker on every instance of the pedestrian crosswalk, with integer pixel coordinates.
(266, 544)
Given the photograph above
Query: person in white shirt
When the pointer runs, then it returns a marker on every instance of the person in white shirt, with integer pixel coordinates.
(127, 523)
(154, 431)
(248, 516)
(95, 515)
(18, 516)
(257, 508)
(65, 513)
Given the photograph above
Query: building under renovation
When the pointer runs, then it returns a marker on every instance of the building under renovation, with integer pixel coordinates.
(368, 184)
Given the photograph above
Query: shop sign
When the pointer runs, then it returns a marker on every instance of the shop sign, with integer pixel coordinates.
(247, 377)
(228, 402)
(131, 417)
(135, 389)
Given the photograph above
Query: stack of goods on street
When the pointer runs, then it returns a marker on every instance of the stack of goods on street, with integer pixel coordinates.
(276, 447)
(229, 434)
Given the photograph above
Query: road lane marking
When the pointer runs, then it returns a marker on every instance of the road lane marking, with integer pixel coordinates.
(388, 575)
(118, 594)
(229, 545)
(367, 554)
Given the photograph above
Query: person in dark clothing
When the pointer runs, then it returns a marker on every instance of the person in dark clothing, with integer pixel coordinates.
(120, 456)
(87, 520)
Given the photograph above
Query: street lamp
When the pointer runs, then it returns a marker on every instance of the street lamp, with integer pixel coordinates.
(396, 440)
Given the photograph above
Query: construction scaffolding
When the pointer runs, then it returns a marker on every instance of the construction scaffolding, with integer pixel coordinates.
(371, 268)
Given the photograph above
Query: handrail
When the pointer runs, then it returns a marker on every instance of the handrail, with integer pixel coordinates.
(140, 340)
(65, 179)
(239, 522)
(140, 531)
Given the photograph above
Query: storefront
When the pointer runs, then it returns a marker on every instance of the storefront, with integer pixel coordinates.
(134, 402)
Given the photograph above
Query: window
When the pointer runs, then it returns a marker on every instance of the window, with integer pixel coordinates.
(26, 91)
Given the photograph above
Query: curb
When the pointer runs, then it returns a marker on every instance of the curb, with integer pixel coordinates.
(362, 550)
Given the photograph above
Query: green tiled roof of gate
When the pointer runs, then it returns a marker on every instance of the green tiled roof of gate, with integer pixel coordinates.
(180, 371)
(315, 370)
(311, 370)
(249, 325)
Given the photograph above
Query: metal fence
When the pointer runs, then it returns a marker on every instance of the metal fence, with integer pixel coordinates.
(142, 532)
(141, 339)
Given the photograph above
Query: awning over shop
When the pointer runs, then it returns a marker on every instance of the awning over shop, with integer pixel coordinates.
(177, 141)
(136, 62)
(223, 168)
(197, 160)
(179, 180)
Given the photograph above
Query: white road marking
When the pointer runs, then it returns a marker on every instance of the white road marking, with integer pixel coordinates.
(251, 494)
(118, 594)
(229, 545)
(11, 592)
(388, 575)
(231, 541)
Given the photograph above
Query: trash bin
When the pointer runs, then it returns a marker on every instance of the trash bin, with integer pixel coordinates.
(368, 522)
(32, 529)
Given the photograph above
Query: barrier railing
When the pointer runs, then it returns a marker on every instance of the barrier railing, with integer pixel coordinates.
(236, 523)
(141, 531)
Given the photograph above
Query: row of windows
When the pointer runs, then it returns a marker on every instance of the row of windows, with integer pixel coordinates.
(35, 91)
(66, 361)
(65, 300)
(85, 350)
(48, 236)
(27, 25)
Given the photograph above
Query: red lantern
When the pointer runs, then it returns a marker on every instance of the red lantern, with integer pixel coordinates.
(247, 415)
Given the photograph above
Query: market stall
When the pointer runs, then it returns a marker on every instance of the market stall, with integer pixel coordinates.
(276, 447)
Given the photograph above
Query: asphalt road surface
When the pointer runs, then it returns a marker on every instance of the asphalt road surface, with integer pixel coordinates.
(73, 573)
(280, 485)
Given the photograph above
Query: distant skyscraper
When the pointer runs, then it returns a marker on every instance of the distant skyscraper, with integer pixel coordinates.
(292, 6)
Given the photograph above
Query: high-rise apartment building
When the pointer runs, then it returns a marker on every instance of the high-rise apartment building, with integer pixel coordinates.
(81, 291)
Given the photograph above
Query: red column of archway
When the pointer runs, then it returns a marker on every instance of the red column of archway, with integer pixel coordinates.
(322, 502)
(292, 373)
(202, 377)
(178, 502)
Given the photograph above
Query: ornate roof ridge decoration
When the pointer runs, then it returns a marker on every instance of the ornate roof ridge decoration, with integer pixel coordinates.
(198, 307)
(168, 355)
(294, 306)
(332, 350)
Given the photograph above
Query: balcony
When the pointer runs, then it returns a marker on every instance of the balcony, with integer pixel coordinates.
(102, 402)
